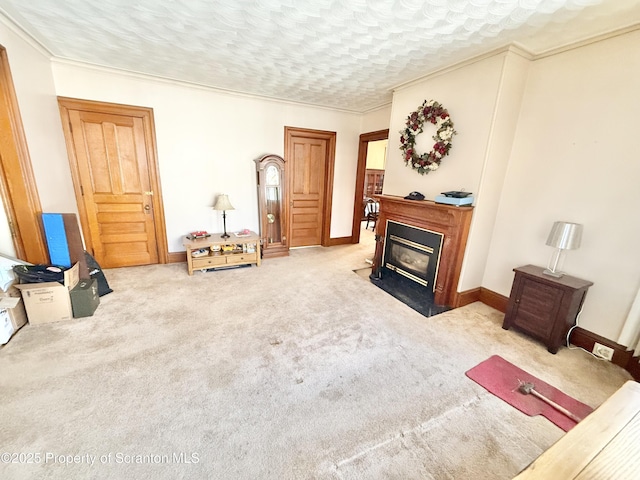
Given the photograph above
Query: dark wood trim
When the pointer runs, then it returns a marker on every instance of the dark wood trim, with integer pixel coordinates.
(146, 115)
(633, 367)
(484, 295)
(328, 188)
(154, 173)
(339, 241)
(585, 339)
(17, 183)
(361, 171)
(466, 297)
(177, 257)
(330, 137)
(493, 299)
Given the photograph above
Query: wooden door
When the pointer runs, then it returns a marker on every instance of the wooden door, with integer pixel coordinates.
(309, 156)
(111, 152)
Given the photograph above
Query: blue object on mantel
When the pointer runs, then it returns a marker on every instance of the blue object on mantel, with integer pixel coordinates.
(56, 239)
(458, 202)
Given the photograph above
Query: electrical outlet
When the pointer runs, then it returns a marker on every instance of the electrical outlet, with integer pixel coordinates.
(602, 351)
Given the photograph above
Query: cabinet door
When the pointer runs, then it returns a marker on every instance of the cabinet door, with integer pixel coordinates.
(374, 180)
(537, 307)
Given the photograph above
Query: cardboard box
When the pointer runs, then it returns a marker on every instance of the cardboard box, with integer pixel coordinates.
(11, 291)
(49, 301)
(84, 298)
(12, 317)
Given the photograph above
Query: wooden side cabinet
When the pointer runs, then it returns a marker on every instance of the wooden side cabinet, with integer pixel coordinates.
(216, 251)
(543, 306)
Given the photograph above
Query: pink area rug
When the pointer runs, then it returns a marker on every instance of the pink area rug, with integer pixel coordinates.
(503, 379)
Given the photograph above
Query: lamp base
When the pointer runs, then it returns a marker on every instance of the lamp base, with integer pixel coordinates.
(224, 222)
(552, 273)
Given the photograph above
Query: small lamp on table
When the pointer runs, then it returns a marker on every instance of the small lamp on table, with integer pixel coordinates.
(563, 236)
(223, 203)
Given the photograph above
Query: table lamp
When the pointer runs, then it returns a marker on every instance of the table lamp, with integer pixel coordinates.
(223, 203)
(563, 236)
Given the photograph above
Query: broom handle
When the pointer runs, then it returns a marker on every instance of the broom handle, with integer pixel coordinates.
(560, 408)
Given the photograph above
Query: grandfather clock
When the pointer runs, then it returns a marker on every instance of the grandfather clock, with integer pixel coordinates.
(273, 204)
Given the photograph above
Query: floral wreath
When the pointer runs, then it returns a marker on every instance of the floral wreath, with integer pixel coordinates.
(430, 111)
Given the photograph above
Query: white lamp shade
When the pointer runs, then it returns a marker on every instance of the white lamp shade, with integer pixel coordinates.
(223, 203)
(565, 235)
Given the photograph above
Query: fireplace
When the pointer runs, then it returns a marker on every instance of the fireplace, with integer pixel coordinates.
(413, 253)
(421, 244)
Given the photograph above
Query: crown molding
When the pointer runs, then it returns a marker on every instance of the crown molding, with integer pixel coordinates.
(11, 24)
(588, 41)
(504, 50)
(520, 50)
(195, 85)
(376, 108)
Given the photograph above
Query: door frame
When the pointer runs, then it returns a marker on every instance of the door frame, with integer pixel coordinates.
(365, 138)
(146, 114)
(329, 167)
(18, 185)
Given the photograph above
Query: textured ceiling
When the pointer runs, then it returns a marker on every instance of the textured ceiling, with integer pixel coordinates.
(345, 54)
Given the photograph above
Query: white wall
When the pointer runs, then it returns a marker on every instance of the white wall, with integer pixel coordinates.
(375, 120)
(35, 90)
(488, 195)
(207, 141)
(6, 240)
(469, 94)
(539, 141)
(575, 158)
(479, 96)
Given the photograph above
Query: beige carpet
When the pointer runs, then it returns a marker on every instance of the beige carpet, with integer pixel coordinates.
(298, 369)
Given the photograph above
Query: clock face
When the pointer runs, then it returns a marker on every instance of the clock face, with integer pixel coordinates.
(273, 176)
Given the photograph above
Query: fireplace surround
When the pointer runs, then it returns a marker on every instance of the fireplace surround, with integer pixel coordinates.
(451, 223)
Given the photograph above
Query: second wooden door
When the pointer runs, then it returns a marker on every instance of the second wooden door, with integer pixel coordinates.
(310, 161)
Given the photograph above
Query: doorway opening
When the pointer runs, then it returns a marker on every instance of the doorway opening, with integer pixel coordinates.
(372, 153)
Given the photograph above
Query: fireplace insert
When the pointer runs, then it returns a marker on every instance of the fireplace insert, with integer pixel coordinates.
(413, 253)
(411, 257)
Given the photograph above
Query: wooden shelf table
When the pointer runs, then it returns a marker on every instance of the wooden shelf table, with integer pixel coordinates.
(235, 250)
